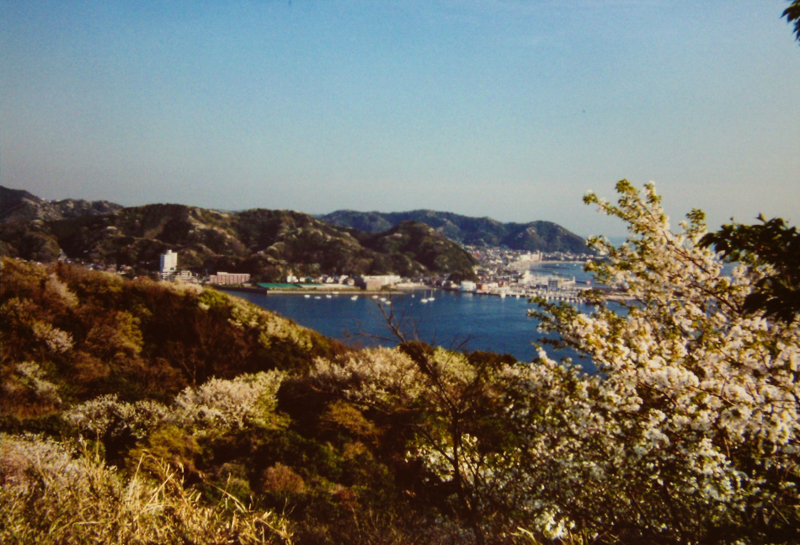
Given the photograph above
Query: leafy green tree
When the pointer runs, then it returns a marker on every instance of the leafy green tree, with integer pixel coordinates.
(771, 245)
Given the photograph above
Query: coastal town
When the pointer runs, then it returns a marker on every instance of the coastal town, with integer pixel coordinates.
(501, 272)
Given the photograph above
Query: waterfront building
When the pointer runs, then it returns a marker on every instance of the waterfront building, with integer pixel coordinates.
(377, 282)
(223, 278)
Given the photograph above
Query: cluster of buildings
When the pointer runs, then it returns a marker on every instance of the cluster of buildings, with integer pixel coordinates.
(507, 272)
(168, 270)
(526, 285)
(501, 272)
(503, 258)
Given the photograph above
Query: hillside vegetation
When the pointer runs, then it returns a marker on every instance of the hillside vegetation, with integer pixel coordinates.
(95, 333)
(139, 412)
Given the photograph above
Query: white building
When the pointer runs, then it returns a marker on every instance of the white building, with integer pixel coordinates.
(554, 283)
(529, 256)
(169, 262)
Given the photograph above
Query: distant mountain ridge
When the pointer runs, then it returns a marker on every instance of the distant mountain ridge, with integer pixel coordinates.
(268, 244)
(542, 236)
(19, 205)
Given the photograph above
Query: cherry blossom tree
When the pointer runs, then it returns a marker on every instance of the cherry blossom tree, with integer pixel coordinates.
(688, 433)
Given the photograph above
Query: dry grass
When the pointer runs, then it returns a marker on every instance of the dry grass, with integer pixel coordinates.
(52, 493)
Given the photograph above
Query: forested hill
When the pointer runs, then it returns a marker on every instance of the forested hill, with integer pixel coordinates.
(268, 244)
(542, 236)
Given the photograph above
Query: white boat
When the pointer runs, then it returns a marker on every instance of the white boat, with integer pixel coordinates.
(327, 296)
(307, 296)
(353, 298)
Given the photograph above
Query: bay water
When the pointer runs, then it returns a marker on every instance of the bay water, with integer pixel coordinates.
(451, 319)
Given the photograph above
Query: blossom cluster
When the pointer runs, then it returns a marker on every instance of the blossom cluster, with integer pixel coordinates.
(217, 405)
(30, 377)
(248, 399)
(378, 376)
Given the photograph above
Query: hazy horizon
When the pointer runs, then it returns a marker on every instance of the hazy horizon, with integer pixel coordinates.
(507, 109)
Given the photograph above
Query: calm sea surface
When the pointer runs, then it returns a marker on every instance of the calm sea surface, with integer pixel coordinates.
(455, 320)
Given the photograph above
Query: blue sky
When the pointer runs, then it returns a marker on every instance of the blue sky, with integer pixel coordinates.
(503, 108)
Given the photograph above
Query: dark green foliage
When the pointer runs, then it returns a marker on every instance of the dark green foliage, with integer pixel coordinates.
(792, 14)
(342, 470)
(137, 236)
(368, 222)
(300, 243)
(30, 240)
(771, 243)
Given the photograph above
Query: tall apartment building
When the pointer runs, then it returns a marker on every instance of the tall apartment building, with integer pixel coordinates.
(169, 262)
